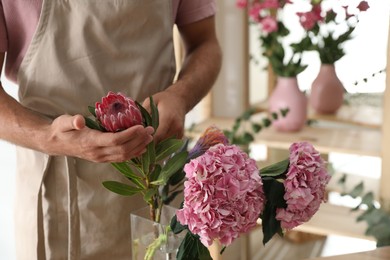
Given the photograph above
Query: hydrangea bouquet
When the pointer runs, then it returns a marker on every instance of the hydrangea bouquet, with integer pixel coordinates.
(225, 193)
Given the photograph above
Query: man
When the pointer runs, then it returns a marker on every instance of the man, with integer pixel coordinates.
(64, 56)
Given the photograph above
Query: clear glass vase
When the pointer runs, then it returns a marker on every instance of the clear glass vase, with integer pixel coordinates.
(152, 240)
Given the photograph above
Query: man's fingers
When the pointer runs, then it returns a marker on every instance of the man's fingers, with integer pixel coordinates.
(67, 123)
(78, 122)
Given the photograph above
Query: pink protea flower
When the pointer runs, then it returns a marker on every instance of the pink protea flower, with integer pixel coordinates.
(223, 194)
(304, 186)
(211, 136)
(117, 112)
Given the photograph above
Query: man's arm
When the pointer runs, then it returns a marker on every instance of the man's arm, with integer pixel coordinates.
(201, 66)
(67, 135)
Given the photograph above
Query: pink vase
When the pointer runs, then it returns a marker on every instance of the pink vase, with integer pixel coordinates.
(327, 91)
(288, 95)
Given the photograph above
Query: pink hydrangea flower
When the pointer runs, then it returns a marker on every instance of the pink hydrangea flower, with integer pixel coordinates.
(223, 195)
(305, 185)
(117, 112)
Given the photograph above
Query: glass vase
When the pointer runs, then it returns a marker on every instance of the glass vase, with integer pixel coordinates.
(152, 240)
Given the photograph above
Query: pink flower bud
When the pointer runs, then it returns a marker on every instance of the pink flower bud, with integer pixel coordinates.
(363, 6)
(117, 112)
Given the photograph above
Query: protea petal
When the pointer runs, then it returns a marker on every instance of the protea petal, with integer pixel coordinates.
(117, 112)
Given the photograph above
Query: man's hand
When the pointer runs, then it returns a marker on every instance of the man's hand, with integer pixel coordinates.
(68, 135)
(171, 114)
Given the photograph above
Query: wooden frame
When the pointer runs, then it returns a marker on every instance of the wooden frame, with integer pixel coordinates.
(385, 178)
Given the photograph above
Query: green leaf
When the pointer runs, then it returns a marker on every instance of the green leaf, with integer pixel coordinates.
(93, 124)
(274, 192)
(121, 188)
(155, 173)
(177, 177)
(91, 110)
(342, 180)
(149, 194)
(148, 158)
(168, 147)
(275, 169)
(176, 226)
(173, 165)
(357, 190)
(145, 115)
(154, 114)
(192, 249)
(256, 127)
(284, 111)
(126, 170)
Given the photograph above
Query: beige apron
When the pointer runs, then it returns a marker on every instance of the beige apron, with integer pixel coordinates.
(81, 50)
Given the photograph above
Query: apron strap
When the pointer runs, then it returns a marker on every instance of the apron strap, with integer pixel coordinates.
(41, 237)
(73, 212)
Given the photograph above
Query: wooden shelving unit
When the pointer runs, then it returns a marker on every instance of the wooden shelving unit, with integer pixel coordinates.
(326, 140)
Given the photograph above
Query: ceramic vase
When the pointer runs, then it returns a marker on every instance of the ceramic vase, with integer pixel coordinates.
(147, 233)
(288, 95)
(327, 91)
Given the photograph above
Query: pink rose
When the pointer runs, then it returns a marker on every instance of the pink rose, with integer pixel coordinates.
(309, 19)
(304, 186)
(269, 24)
(117, 112)
(223, 195)
(241, 3)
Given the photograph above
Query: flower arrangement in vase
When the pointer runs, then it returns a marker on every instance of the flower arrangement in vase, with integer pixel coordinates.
(285, 59)
(329, 25)
(224, 191)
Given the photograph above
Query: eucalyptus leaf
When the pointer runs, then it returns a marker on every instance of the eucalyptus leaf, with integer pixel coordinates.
(357, 190)
(121, 188)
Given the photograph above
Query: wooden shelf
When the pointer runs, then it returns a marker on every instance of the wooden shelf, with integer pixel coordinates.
(332, 219)
(377, 254)
(355, 114)
(362, 141)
